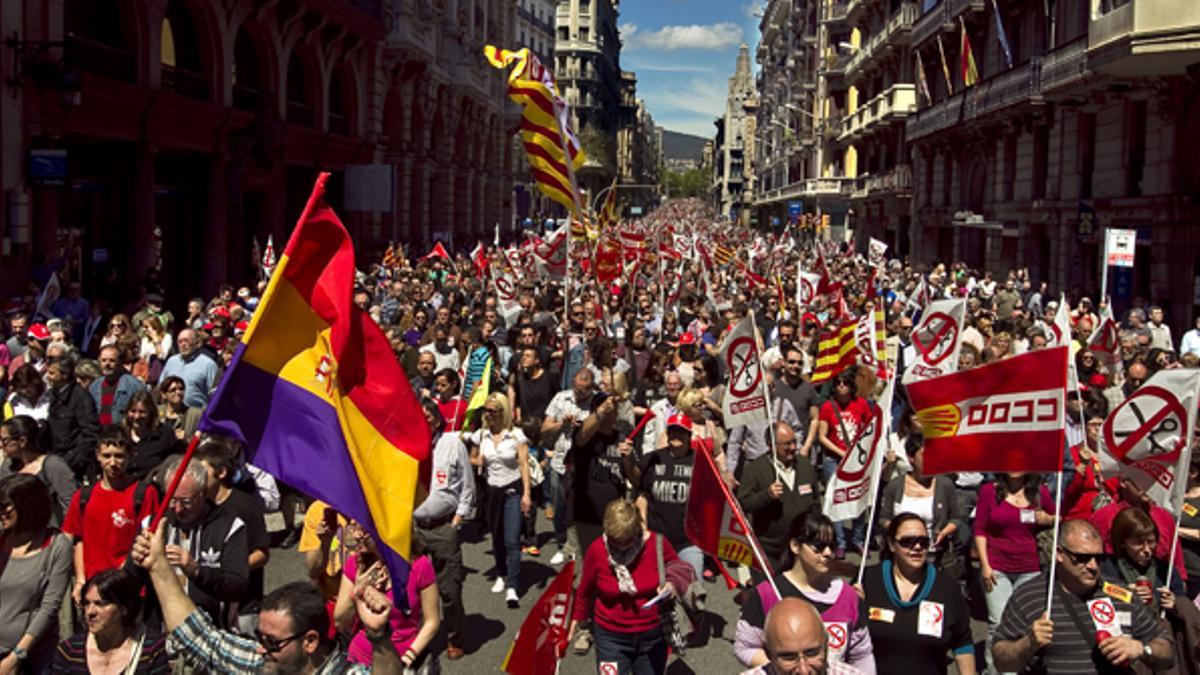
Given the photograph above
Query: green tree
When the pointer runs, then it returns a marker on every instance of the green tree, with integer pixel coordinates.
(687, 183)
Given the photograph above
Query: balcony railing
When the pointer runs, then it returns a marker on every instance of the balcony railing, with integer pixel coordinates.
(895, 33)
(184, 82)
(896, 181)
(1065, 66)
(101, 59)
(1021, 84)
(897, 101)
(1156, 37)
(810, 188)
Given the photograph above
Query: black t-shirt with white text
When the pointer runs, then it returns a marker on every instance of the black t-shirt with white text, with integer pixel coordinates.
(665, 481)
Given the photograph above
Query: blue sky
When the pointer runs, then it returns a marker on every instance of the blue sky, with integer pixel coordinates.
(684, 52)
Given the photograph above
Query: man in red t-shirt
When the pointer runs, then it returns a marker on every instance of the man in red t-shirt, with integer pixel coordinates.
(106, 524)
(840, 423)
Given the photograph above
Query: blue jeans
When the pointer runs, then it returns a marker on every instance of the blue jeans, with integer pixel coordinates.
(996, 599)
(557, 486)
(634, 653)
(693, 556)
(858, 526)
(504, 521)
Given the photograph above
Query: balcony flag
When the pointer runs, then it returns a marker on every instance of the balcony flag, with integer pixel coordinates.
(970, 74)
(1003, 37)
(922, 82)
(945, 67)
(545, 129)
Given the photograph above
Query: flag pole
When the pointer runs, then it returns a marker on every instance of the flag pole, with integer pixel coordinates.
(1181, 469)
(886, 420)
(1072, 381)
(767, 396)
(750, 535)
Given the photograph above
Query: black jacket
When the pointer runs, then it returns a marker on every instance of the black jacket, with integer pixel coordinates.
(74, 426)
(218, 544)
(772, 518)
(151, 451)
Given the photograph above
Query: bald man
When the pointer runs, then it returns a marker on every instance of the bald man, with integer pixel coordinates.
(1072, 639)
(796, 642)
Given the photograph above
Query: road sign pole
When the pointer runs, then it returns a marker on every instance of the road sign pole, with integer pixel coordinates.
(1104, 266)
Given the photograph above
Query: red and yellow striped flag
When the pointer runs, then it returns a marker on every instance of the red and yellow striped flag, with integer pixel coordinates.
(608, 214)
(723, 255)
(837, 351)
(544, 126)
(970, 74)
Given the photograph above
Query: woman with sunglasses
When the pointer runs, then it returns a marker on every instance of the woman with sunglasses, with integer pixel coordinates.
(114, 641)
(503, 452)
(412, 631)
(35, 575)
(932, 498)
(1010, 511)
(917, 615)
(175, 415)
(809, 576)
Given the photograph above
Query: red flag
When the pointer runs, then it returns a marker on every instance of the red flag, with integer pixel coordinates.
(480, 261)
(438, 251)
(543, 635)
(1003, 416)
(714, 520)
(608, 261)
(1105, 341)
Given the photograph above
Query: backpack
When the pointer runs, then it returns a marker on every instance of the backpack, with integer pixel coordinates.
(139, 496)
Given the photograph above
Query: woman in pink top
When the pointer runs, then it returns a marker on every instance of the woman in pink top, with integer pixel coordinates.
(620, 575)
(412, 629)
(1008, 515)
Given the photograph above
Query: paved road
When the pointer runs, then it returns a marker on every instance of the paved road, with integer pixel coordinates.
(491, 625)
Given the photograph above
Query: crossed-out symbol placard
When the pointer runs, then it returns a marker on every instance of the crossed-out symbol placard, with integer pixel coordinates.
(837, 635)
(858, 458)
(1103, 612)
(1150, 424)
(807, 291)
(935, 340)
(743, 366)
(505, 288)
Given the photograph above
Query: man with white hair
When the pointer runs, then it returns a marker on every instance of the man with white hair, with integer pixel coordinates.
(195, 367)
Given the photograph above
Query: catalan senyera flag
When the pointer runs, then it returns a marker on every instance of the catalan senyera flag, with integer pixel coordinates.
(317, 396)
(722, 255)
(970, 74)
(837, 351)
(544, 124)
(608, 213)
(1002, 416)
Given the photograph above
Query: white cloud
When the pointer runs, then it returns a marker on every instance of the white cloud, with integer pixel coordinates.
(688, 105)
(639, 67)
(670, 38)
(753, 9)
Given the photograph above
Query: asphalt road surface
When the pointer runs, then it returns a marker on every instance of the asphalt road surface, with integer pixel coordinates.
(491, 625)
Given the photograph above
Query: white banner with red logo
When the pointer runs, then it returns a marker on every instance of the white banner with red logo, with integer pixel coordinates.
(1147, 438)
(936, 340)
(1060, 331)
(551, 254)
(807, 288)
(746, 393)
(1105, 341)
(876, 251)
(506, 297)
(1003, 416)
(849, 491)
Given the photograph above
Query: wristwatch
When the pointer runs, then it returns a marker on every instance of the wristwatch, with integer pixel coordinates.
(1146, 651)
(20, 653)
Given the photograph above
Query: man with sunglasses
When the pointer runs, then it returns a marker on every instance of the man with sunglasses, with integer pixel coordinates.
(293, 626)
(1092, 627)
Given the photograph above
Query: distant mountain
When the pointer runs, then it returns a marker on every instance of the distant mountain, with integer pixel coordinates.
(678, 145)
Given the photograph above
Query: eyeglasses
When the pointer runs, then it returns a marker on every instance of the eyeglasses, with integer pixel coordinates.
(790, 660)
(5, 440)
(274, 644)
(490, 411)
(173, 390)
(794, 362)
(1082, 558)
(183, 502)
(913, 542)
(7, 509)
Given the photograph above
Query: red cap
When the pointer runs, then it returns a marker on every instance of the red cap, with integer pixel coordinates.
(38, 331)
(241, 326)
(679, 420)
(220, 310)
(687, 338)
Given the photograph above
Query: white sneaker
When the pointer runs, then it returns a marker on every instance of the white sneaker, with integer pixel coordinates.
(510, 596)
(558, 559)
(498, 587)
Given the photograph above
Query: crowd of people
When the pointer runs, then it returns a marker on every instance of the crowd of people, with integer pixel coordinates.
(100, 401)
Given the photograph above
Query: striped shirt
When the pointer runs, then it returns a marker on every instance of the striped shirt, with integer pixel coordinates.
(1071, 650)
(206, 648)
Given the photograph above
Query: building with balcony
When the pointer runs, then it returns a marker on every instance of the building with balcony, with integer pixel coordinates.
(800, 92)
(587, 52)
(1095, 125)
(535, 28)
(733, 168)
(880, 96)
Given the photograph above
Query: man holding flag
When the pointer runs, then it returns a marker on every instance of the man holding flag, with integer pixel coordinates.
(776, 489)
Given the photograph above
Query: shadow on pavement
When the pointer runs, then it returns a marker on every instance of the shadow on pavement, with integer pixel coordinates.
(478, 630)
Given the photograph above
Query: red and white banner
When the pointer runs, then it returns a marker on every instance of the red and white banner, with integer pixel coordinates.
(807, 284)
(1060, 331)
(849, 491)
(936, 340)
(1147, 438)
(1105, 341)
(1003, 416)
(714, 521)
(876, 251)
(542, 638)
(746, 393)
(607, 261)
(479, 261)
(506, 297)
(551, 254)
(268, 258)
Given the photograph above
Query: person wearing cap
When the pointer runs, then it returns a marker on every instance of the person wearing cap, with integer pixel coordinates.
(685, 357)
(1069, 638)
(153, 307)
(775, 490)
(37, 338)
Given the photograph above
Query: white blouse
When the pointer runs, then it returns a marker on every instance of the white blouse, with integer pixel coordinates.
(501, 461)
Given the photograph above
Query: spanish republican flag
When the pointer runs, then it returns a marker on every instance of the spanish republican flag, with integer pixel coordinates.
(970, 74)
(317, 396)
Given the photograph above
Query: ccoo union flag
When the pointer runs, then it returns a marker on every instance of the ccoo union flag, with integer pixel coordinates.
(317, 396)
(1003, 416)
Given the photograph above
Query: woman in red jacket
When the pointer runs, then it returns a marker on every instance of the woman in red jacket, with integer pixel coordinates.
(620, 575)
(1087, 492)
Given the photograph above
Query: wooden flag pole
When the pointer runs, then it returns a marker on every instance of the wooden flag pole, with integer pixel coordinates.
(174, 484)
(1073, 382)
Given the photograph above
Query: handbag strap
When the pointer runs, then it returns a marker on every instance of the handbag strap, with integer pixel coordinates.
(135, 654)
(658, 553)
